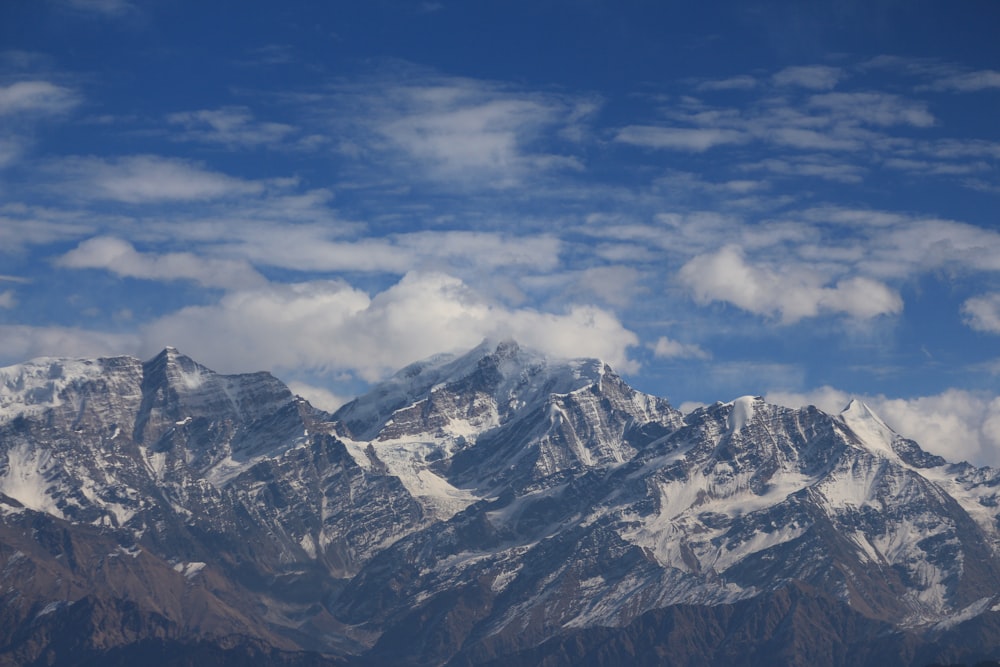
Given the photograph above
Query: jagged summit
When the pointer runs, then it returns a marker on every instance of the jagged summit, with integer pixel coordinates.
(510, 374)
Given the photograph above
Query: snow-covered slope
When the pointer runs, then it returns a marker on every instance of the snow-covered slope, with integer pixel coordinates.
(486, 502)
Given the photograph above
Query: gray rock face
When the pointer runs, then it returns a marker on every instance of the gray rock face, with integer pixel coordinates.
(498, 503)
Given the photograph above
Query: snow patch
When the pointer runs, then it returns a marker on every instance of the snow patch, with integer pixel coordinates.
(189, 569)
(874, 434)
(27, 478)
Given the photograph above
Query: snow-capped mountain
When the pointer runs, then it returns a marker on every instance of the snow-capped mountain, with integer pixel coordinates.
(497, 506)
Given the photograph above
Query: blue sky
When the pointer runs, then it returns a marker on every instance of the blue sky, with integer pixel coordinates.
(789, 199)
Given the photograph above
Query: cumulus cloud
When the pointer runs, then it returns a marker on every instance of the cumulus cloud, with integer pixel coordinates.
(956, 424)
(147, 179)
(813, 77)
(331, 326)
(666, 348)
(982, 313)
(791, 292)
(36, 97)
(7, 299)
(121, 258)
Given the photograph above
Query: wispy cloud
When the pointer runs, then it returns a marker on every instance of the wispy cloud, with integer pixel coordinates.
(742, 82)
(147, 179)
(108, 7)
(230, 126)
(459, 132)
(872, 108)
(968, 82)
(121, 258)
(679, 138)
(821, 166)
(36, 97)
(813, 77)
(667, 348)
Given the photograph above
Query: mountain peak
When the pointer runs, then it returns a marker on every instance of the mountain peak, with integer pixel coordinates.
(512, 374)
(872, 432)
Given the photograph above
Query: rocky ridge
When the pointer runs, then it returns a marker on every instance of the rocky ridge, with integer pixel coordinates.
(490, 507)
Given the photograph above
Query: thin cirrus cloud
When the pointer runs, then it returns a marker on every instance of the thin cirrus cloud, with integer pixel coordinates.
(318, 248)
(696, 140)
(230, 126)
(460, 132)
(142, 179)
(121, 258)
(839, 122)
(667, 348)
(742, 82)
(968, 82)
(812, 77)
(108, 7)
(872, 108)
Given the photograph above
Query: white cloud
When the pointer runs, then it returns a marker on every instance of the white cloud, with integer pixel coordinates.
(821, 166)
(22, 226)
(36, 97)
(929, 168)
(742, 82)
(882, 109)
(332, 326)
(956, 424)
(791, 292)
(110, 7)
(696, 140)
(319, 397)
(826, 398)
(121, 257)
(148, 178)
(813, 77)
(666, 348)
(613, 285)
(807, 139)
(230, 126)
(458, 132)
(311, 248)
(7, 299)
(967, 82)
(456, 139)
(982, 313)
(22, 342)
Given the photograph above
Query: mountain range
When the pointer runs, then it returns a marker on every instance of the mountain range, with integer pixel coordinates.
(498, 507)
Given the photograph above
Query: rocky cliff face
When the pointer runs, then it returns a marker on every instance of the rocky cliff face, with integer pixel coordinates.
(496, 506)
